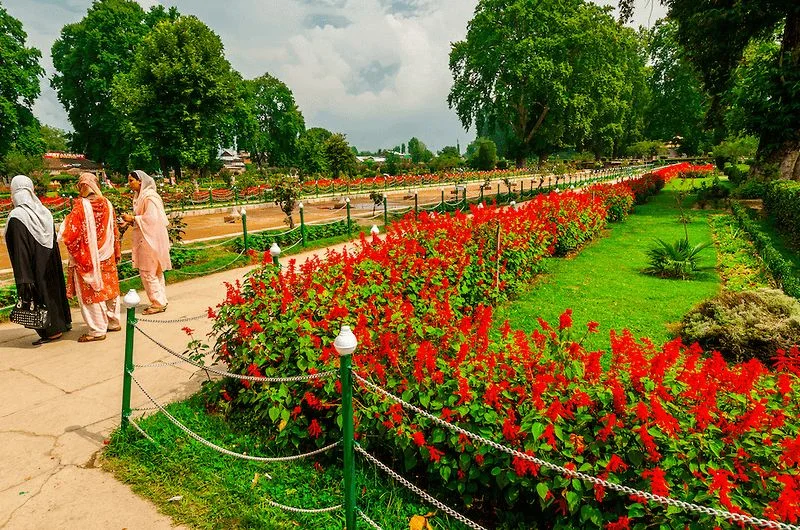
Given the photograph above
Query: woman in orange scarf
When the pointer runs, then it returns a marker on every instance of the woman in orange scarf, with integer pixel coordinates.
(91, 236)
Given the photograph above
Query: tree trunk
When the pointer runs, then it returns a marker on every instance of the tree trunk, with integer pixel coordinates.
(162, 163)
(543, 159)
(291, 220)
(520, 161)
(785, 158)
(782, 150)
(178, 172)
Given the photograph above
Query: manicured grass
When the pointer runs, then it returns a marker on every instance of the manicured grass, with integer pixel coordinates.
(605, 282)
(220, 491)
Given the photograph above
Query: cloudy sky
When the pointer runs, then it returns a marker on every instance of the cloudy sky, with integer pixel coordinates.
(376, 70)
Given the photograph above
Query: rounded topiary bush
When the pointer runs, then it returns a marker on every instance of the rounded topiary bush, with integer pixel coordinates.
(745, 325)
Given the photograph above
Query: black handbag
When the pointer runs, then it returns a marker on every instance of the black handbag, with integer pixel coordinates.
(30, 315)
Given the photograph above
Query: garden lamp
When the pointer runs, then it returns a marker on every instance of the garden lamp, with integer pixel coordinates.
(346, 342)
(374, 230)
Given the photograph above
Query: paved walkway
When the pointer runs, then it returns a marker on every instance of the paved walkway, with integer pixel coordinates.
(59, 402)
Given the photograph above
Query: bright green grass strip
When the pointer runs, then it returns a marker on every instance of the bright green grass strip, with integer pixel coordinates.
(738, 263)
(604, 282)
(219, 491)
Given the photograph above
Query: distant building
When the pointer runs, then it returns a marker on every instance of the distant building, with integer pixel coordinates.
(57, 163)
(232, 161)
(376, 159)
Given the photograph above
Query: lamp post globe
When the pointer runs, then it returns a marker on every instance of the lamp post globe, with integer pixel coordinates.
(345, 342)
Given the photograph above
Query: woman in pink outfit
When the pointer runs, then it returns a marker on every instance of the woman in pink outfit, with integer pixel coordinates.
(150, 244)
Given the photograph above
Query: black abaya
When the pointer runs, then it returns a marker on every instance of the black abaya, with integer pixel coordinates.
(38, 273)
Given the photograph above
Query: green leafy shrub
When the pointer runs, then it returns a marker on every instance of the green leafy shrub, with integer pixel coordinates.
(751, 189)
(780, 269)
(676, 260)
(181, 255)
(745, 324)
(736, 173)
(782, 201)
(713, 193)
(261, 241)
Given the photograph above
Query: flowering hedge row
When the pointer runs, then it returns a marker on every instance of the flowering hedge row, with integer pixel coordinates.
(669, 420)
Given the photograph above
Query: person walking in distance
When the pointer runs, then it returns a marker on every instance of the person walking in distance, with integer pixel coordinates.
(150, 243)
(36, 259)
(91, 236)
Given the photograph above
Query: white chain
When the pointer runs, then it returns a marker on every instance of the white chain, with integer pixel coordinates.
(583, 476)
(223, 373)
(369, 521)
(171, 321)
(302, 510)
(159, 364)
(451, 512)
(204, 247)
(141, 431)
(224, 451)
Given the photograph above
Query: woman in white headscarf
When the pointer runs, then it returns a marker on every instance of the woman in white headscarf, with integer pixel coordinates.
(36, 259)
(150, 245)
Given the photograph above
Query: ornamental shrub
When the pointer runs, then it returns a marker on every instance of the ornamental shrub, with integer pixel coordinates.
(745, 325)
(782, 201)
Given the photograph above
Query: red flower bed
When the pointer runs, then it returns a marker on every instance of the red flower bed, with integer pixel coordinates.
(669, 419)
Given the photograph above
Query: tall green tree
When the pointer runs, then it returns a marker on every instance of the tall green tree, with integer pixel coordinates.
(19, 88)
(419, 151)
(311, 151)
(54, 139)
(273, 122)
(177, 94)
(87, 56)
(536, 74)
(482, 154)
(341, 159)
(678, 103)
(715, 35)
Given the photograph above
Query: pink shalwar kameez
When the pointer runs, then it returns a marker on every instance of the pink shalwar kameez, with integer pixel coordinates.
(150, 240)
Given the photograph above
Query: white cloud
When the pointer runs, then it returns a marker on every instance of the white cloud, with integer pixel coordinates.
(374, 69)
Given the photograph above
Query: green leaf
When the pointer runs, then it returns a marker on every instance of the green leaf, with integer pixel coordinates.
(542, 490)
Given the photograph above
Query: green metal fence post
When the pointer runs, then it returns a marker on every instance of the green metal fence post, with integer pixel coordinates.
(244, 230)
(131, 300)
(345, 344)
(497, 197)
(385, 210)
(210, 197)
(302, 226)
(443, 205)
(349, 226)
(416, 204)
(480, 201)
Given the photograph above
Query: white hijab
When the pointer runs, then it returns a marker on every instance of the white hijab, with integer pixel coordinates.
(148, 190)
(29, 210)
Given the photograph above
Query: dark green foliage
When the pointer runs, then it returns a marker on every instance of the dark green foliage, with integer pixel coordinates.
(751, 189)
(19, 88)
(261, 241)
(339, 157)
(181, 255)
(782, 201)
(176, 228)
(780, 269)
(736, 173)
(482, 154)
(675, 260)
(713, 194)
(745, 325)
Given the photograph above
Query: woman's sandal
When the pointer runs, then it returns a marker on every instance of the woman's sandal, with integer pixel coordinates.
(45, 340)
(152, 310)
(90, 338)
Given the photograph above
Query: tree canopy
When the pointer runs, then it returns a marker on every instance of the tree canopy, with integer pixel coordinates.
(19, 88)
(678, 103)
(177, 94)
(338, 155)
(311, 150)
(87, 56)
(537, 76)
(273, 123)
(716, 36)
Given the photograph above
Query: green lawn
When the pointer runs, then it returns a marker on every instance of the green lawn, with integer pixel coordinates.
(780, 242)
(605, 283)
(218, 491)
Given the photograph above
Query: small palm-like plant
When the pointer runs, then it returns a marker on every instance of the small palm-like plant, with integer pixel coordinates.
(676, 260)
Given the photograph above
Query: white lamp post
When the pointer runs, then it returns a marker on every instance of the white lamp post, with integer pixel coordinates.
(374, 230)
(131, 299)
(346, 342)
(275, 251)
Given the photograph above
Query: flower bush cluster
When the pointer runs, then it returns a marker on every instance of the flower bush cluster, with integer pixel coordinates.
(669, 419)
